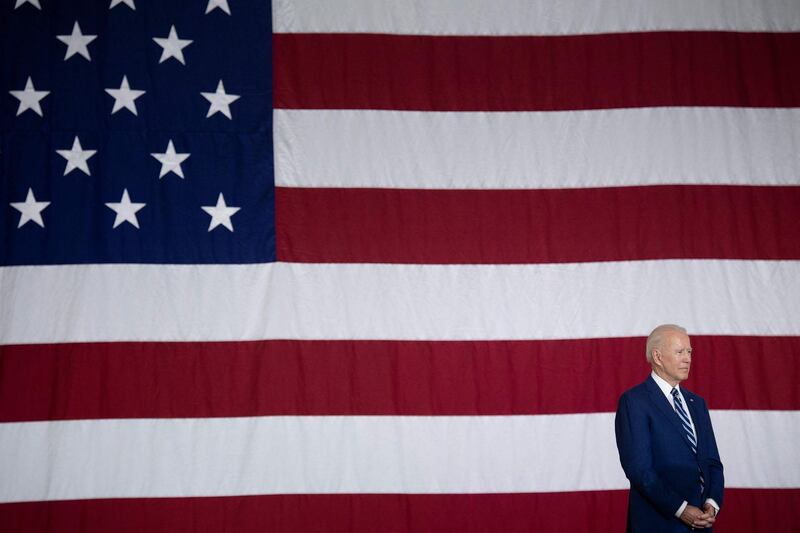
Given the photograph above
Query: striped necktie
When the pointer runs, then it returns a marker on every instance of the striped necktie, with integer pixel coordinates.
(687, 424)
(687, 428)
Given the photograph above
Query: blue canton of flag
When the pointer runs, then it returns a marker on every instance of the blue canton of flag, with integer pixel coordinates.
(136, 132)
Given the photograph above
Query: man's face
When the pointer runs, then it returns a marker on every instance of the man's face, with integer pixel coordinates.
(674, 357)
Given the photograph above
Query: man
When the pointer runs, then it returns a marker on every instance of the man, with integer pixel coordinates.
(666, 443)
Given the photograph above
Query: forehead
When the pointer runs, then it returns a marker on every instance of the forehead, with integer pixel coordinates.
(677, 339)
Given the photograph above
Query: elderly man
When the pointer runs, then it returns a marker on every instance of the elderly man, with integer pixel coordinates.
(666, 443)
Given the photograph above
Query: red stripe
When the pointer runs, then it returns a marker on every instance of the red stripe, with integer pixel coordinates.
(537, 226)
(458, 73)
(161, 380)
(745, 511)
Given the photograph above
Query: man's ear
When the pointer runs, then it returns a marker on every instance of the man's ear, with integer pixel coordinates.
(656, 356)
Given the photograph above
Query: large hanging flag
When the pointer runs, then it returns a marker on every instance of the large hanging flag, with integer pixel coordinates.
(388, 265)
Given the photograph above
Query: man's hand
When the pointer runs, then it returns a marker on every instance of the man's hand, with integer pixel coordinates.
(708, 508)
(695, 518)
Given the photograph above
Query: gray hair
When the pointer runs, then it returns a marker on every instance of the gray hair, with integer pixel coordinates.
(656, 338)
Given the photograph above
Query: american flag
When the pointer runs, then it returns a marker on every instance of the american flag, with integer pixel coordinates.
(368, 265)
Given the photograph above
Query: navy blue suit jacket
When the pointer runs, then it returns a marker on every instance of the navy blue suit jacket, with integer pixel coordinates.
(658, 460)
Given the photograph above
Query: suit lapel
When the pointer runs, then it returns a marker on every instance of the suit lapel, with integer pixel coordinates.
(658, 398)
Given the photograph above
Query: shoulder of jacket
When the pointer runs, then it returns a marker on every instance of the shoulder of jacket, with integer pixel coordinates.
(636, 390)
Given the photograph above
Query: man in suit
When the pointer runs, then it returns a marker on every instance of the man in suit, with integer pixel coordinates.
(666, 443)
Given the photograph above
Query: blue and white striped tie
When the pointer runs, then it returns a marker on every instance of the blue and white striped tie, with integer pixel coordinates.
(687, 424)
(687, 428)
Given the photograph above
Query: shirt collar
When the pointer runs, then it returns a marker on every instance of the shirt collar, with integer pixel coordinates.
(665, 387)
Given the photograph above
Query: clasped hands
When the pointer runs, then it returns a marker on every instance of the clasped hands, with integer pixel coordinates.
(696, 518)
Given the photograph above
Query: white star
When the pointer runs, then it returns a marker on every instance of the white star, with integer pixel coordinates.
(128, 3)
(76, 157)
(125, 97)
(220, 101)
(29, 98)
(34, 3)
(171, 161)
(125, 210)
(77, 42)
(220, 214)
(222, 4)
(172, 46)
(30, 209)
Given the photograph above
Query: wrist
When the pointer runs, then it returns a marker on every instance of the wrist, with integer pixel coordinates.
(713, 504)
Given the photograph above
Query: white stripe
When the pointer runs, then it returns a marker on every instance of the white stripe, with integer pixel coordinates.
(759, 448)
(362, 454)
(74, 303)
(476, 150)
(532, 17)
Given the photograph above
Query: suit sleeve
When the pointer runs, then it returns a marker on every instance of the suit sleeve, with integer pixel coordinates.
(716, 478)
(635, 454)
